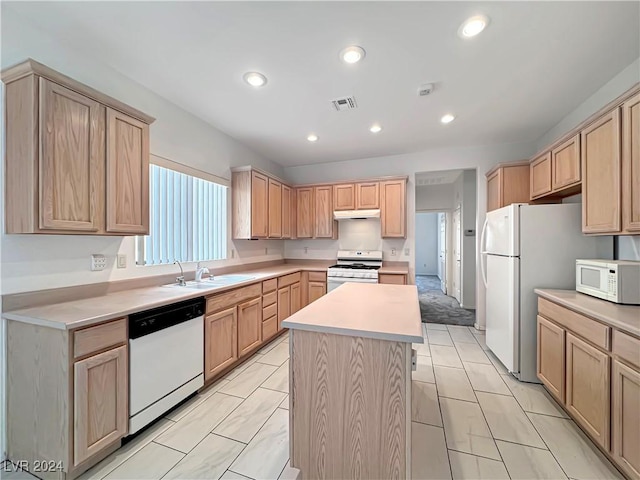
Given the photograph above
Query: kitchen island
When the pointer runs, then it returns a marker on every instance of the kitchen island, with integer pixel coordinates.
(350, 382)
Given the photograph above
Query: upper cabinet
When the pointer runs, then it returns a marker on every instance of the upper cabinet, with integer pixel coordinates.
(393, 208)
(77, 161)
(507, 183)
(325, 225)
(367, 195)
(631, 165)
(540, 176)
(565, 164)
(275, 209)
(304, 212)
(286, 211)
(344, 197)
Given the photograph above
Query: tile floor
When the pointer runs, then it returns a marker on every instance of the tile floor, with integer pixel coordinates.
(470, 420)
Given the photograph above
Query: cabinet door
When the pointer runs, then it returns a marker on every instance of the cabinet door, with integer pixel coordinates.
(286, 211)
(294, 214)
(367, 195)
(392, 279)
(625, 427)
(565, 160)
(100, 393)
(220, 341)
(249, 325)
(540, 175)
(344, 197)
(551, 357)
(127, 174)
(600, 154)
(296, 299)
(71, 168)
(275, 209)
(304, 212)
(631, 164)
(284, 305)
(259, 205)
(323, 200)
(393, 202)
(316, 290)
(588, 388)
(494, 190)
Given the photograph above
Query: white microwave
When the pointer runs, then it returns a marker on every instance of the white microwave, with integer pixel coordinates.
(615, 280)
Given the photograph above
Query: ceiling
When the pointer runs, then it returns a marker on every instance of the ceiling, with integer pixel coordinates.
(535, 63)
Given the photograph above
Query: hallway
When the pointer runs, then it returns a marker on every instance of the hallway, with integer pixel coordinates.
(436, 307)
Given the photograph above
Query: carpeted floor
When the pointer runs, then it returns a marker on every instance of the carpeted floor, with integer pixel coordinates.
(436, 307)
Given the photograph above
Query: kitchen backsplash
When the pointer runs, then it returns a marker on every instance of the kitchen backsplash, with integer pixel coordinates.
(628, 247)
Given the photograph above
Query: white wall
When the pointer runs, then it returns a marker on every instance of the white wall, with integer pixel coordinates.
(32, 262)
(427, 236)
(628, 247)
(434, 197)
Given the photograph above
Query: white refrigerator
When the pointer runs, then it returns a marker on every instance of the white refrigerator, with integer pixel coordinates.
(526, 247)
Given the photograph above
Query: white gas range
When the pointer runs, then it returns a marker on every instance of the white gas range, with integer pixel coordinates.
(354, 266)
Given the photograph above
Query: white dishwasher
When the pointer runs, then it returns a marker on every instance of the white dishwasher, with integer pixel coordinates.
(166, 359)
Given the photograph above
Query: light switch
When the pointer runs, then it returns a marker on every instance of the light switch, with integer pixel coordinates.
(122, 260)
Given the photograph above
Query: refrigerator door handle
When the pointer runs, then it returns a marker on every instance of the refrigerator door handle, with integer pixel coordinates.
(483, 252)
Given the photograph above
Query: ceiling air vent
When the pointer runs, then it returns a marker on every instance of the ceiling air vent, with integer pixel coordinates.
(344, 103)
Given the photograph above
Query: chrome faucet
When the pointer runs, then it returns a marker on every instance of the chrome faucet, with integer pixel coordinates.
(180, 279)
(199, 271)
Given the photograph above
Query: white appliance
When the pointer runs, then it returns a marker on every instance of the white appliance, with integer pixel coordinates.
(526, 247)
(166, 359)
(615, 280)
(358, 266)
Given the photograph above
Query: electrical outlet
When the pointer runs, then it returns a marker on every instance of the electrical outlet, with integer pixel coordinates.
(122, 260)
(306, 249)
(393, 252)
(98, 262)
(406, 252)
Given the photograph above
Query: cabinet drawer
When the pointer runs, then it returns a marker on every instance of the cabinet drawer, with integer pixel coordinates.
(392, 279)
(98, 338)
(215, 303)
(288, 279)
(269, 285)
(317, 276)
(590, 330)
(269, 328)
(270, 311)
(626, 347)
(269, 298)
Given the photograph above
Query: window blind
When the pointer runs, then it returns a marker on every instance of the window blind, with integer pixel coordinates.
(188, 219)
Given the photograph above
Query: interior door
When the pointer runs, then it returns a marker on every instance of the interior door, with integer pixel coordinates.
(457, 246)
(442, 265)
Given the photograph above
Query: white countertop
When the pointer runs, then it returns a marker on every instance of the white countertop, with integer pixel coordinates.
(384, 312)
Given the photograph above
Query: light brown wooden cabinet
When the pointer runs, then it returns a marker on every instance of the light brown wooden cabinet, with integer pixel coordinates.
(249, 326)
(284, 305)
(625, 425)
(304, 212)
(316, 290)
(631, 165)
(393, 204)
(507, 183)
(392, 279)
(344, 197)
(286, 211)
(539, 177)
(296, 298)
(76, 160)
(275, 209)
(551, 357)
(220, 341)
(101, 415)
(565, 163)
(259, 205)
(367, 195)
(587, 388)
(325, 225)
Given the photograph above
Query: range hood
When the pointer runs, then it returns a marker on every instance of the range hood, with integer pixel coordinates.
(356, 214)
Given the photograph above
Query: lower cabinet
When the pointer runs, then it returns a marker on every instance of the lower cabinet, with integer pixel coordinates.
(316, 290)
(625, 425)
(551, 357)
(392, 279)
(587, 386)
(249, 325)
(296, 298)
(284, 304)
(220, 341)
(100, 385)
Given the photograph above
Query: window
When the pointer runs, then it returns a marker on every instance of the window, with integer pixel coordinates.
(188, 219)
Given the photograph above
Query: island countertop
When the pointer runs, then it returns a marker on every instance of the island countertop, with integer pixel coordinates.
(370, 310)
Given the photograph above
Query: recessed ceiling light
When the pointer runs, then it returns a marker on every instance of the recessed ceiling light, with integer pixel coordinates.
(375, 128)
(312, 137)
(352, 54)
(473, 26)
(448, 118)
(255, 79)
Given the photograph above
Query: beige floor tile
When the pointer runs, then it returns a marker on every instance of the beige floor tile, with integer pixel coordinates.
(279, 380)
(177, 413)
(126, 451)
(424, 370)
(208, 460)
(482, 340)
(445, 356)
(496, 363)
(9, 471)
(151, 462)
(507, 421)
(466, 430)
(197, 424)
(471, 352)
(429, 458)
(470, 467)
(245, 421)
(526, 463)
(268, 451)
(576, 454)
(435, 326)
(270, 346)
(242, 367)
(485, 378)
(438, 337)
(453, 383)
(461, 334)
(424, 404)
(533, 397)
(229, 475)
(422, 348)
(277, 356)
(285, 403)
(245, 383)
(289, 473)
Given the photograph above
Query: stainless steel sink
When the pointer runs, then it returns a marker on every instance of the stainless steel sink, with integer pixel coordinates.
(218, 281)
